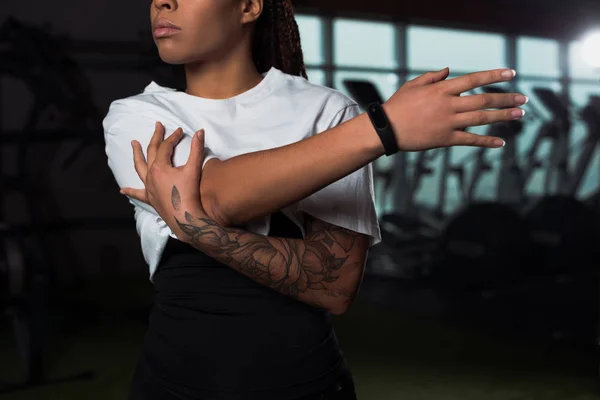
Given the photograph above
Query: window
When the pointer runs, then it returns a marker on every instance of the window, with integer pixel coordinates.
(462, 51)
(311, 35)
(538, 57)
(355, 55)
(355, 44)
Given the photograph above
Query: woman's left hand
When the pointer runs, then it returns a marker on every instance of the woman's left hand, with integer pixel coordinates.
(170, 190)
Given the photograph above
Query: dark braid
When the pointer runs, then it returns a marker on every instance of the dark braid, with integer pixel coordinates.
(277, 39)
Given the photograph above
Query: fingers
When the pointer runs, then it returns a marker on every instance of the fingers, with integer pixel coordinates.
(477, 118)
(488, 100)
(196, 157)
(461, 138)
(468, 82)
(138, 194)
(428, 78)
(139, 162)
(157, 139)
(165, 151)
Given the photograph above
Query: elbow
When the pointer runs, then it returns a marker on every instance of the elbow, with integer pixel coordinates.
(341, 299)
(340, 307)
(215, 211)
(213, 207)
(220, 210)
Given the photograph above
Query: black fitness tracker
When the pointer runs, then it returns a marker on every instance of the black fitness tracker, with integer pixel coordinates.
(383, 127)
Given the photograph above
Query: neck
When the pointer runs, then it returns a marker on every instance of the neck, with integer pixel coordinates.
(223, 78)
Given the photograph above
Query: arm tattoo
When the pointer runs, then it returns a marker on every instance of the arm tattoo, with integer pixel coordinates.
(309, 269)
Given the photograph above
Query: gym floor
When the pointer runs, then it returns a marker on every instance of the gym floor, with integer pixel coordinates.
(396, 343)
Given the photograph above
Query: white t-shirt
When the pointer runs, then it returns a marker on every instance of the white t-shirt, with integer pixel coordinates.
(282, 109)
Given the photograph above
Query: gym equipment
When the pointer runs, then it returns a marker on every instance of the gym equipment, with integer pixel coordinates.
(60, 89)
(564, 235)
(545, 282)
(512, 182)
(448, 170)
(409, 231)
(485, 243)
(590, 115)
(39, 59)
(12, 269)
(21, 294)
(483, 247)
(564, 230)
(514, 176)
(408, 216)
(556, 131)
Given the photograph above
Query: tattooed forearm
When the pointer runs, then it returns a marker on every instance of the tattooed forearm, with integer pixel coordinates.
(308, 270)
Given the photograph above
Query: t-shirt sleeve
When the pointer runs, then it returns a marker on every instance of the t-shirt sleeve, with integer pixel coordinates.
(349, 202)
(123, 124)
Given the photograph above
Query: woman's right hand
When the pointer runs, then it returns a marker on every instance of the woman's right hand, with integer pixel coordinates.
(429, 112)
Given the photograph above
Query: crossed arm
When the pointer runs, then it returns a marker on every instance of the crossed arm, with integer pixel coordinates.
(323, 270)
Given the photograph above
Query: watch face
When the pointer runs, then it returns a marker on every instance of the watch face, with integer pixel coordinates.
(379, 117)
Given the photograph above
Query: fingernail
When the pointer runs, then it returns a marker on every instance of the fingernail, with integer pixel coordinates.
(520, 99)
(122, 192)
(499, 143)
(200, 134)
(518, 113)
(509, 73)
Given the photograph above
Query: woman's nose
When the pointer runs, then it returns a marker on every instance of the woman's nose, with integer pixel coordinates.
(165, 4)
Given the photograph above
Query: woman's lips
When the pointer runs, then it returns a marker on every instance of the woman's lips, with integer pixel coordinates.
(161, 32)
(164, 28)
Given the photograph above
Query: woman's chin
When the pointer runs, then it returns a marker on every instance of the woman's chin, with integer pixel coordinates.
(172, 59)
(171, 56)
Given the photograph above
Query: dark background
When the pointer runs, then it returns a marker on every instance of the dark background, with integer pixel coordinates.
(428, 324)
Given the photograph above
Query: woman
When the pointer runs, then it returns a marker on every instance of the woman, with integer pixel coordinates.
(252, 247)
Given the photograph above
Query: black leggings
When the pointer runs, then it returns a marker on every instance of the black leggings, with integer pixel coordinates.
(144, 387)
(343, 389)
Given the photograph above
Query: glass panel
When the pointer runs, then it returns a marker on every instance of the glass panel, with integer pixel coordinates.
(364, 44)
(311, 34)
(462, 51)
(539, 57)
(316, 76)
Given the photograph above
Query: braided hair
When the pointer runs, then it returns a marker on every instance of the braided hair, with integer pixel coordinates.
(277, 39)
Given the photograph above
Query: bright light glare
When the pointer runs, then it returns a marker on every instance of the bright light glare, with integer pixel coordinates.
(590, 49)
